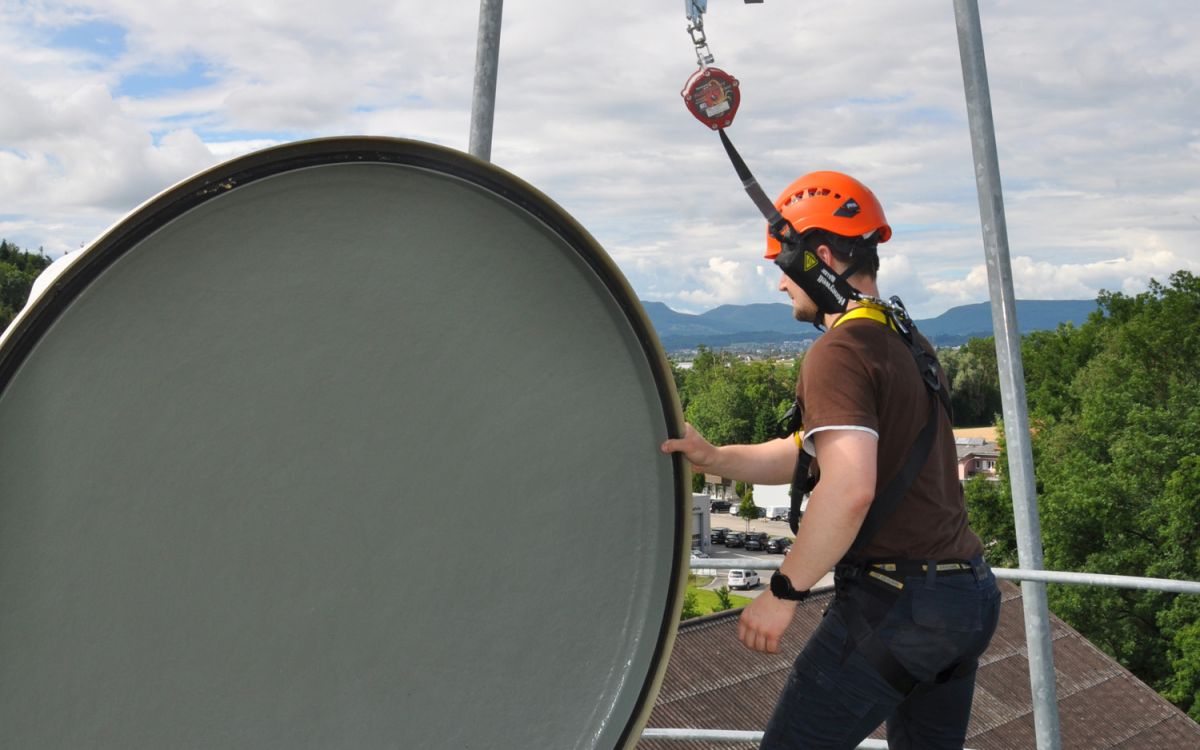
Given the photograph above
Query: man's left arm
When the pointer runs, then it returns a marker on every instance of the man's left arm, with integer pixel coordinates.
(836, 510)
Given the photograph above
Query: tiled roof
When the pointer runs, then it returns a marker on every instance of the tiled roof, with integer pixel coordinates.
(713, 682)
(985, 450)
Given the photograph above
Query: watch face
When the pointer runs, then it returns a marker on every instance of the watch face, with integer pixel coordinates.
(781, 586)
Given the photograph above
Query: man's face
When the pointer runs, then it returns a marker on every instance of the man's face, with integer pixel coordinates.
(803, 308)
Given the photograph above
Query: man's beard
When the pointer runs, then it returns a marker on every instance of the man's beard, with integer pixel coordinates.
(804, 312)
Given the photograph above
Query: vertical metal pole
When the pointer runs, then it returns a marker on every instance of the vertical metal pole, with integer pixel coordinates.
(1012, 375)
(487, 63)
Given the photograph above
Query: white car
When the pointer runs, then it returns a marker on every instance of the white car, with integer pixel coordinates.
(743, 579)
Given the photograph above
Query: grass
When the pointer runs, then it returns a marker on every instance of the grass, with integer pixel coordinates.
(707, 601)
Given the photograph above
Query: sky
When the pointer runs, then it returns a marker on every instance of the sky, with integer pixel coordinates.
(1096, 107)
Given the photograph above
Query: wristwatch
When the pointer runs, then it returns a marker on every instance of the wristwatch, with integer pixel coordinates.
(781, 587)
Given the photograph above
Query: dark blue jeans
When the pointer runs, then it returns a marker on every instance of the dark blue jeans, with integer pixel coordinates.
(834, 698)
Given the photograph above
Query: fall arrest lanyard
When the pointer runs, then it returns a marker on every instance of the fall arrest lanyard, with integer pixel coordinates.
(713, 96)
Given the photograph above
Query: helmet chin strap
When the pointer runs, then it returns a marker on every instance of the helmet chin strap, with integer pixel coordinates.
(829, 291)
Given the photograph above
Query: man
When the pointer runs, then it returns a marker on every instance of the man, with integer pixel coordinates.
(915, 605)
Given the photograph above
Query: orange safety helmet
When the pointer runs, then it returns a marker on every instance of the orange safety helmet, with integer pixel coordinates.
(832, 201)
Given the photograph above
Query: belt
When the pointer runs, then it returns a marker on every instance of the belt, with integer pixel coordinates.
(921, 567)
(887, 571)
(862, 624)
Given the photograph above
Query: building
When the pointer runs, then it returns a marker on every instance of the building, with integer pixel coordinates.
(775, 500)
(720, 488)
(977, 456)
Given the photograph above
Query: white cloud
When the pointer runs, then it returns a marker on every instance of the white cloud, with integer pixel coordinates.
(1044, 279)
(1095, 108)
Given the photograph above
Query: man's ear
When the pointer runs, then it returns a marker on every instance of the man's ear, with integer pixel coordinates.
(826, 255)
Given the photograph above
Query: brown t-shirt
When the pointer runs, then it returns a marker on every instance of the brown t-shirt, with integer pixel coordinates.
(861, 375)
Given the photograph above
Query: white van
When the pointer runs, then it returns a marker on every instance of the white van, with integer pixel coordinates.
(743, 579)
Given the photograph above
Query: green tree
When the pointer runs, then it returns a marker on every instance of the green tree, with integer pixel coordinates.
(724, 601)
(731, 401)
(747, 509)
(691, 607)
(990, 510)
(18, 269)
(974, 382)
(1115, 411)
(769, 389)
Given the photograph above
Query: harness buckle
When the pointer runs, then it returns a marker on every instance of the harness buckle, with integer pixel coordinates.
(791, 421)
(844, 574)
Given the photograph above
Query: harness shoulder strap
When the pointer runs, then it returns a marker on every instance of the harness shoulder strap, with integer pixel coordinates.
(886, 502)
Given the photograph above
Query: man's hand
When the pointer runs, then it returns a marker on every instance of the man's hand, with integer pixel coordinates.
(763, 622)
(694, 447)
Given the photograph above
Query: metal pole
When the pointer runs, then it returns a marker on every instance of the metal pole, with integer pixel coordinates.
(1012, 376)
(487, 64)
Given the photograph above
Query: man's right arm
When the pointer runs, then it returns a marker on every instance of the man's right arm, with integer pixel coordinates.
(771, 462)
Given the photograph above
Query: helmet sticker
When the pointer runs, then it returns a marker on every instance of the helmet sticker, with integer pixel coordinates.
(849, 209)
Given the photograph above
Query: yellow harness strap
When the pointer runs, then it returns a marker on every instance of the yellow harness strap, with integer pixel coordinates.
(875, 314)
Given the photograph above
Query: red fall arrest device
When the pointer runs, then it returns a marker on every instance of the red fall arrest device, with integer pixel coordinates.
(711, 95)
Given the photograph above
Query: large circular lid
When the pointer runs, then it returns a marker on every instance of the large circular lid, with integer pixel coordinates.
(349, 443)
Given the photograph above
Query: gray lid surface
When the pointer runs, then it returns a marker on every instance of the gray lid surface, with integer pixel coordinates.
(348, 443)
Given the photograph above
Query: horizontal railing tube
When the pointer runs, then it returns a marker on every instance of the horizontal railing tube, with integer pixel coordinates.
(1099, 579)
(711, 735)
(725, 564)
(730, 736)
(1011, 574)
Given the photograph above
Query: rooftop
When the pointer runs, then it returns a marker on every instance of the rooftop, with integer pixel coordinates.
(713, 682)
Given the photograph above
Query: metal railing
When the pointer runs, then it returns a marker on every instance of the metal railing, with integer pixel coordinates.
(1011, 574)
(731, 736)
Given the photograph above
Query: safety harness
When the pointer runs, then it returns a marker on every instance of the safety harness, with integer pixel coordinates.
(882, 588)
(888, 499)
(832, 293)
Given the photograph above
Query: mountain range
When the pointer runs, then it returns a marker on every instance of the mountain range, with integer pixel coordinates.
(762, 324)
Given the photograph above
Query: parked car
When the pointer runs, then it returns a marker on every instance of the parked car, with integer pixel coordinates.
(742, 579)
(779, 545)
(719, 506)
(756, 540)
(717, 536)
(735, 539)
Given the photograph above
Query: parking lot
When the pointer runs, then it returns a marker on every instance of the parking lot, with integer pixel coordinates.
(721, 552)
